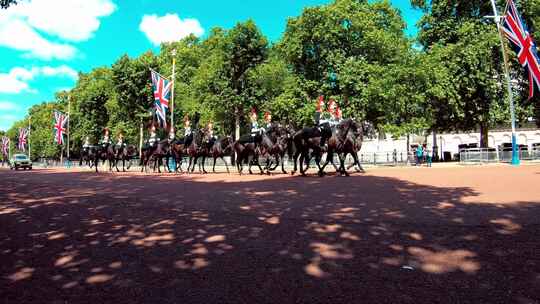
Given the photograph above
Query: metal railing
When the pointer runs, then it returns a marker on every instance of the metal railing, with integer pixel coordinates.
(491, 155)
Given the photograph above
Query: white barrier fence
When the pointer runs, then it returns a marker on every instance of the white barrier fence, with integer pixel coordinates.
(490, 155)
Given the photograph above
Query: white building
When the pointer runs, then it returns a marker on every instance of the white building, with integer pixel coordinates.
(449, 142)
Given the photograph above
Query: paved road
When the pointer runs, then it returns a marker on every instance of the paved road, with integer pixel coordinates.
(408, 235)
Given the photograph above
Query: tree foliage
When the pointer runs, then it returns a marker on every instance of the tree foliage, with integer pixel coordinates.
(353, 51)
(7, 3)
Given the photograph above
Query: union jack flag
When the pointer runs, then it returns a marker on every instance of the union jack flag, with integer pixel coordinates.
(5, 145)
(162, 94)
(516, 30)
(60, 120)
(23, 135)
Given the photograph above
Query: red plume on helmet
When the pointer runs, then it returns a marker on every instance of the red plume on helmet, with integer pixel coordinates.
(339, 113)
(267, 115)
(332, 107)
(320, 104)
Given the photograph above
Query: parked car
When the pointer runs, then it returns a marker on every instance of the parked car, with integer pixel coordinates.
(20, 161)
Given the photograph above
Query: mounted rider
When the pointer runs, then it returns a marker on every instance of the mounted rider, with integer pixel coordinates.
(210, 137)
(120, 143)
(256, 131)
(330, 116)
(86, 144)
(188, 133)
(323, 121)
(153, 140)
(105, 141)
(268, 120)
(172, 135)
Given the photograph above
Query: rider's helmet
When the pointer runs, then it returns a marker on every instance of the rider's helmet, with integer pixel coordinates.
(338, 113)
(253, 115)
(267, 117)
(320, 104)
(332, 107)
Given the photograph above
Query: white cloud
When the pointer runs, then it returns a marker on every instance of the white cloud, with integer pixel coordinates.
(17, 34)
(14, 82)
(17, 79)
(169, 28)
(72, 20)
(62, 70)
(8, 106)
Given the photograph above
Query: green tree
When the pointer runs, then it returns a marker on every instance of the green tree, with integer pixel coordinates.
(336, 50)
(221, 81)
(88, 103)
(463, 51)
(133, 99)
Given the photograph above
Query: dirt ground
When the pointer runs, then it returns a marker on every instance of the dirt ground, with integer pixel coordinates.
(408, 235)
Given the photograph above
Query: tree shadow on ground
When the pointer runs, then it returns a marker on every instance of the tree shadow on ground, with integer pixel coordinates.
(77, 237)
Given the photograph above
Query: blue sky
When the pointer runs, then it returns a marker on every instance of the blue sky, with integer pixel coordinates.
(42, 47)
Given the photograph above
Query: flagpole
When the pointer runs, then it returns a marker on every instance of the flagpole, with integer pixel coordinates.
(68, 130)
(172, 88)
(29, 130)
(498, 19)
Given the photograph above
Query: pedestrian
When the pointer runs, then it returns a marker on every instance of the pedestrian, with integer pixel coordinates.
(419, 155)
(429, 157)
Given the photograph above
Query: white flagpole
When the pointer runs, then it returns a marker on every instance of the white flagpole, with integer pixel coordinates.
(172, 87)
(68, 129)
(29, 128)
(498, 20)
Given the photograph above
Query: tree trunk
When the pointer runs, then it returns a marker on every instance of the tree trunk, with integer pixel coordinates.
(236, 133)
(483, 135)
(435, 149)
(237, 125)
(408, 146)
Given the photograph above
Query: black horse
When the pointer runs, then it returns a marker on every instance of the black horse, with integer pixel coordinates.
(87, 156)
(197, 149)
(306, 140)
(247, 151)
(125, 154)
(275, 144)
(154, 154)
(346, 139)
(220, 149)
(104, 152)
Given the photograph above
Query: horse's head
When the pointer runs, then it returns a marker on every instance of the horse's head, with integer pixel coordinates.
(368, 129)
(131, 150)
(226, 144)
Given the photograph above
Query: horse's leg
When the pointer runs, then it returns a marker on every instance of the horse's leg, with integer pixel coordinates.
(250, 163)
(295, 159)
(226, 166)
(191, 163)
(342, 160)
(214, 165)
(116, 164)
(203, 163)
(194, 163)
(301, 164)
(283, 164)
(239, 166)
(359, 169)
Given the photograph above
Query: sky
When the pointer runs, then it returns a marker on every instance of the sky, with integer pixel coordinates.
(45, 43)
